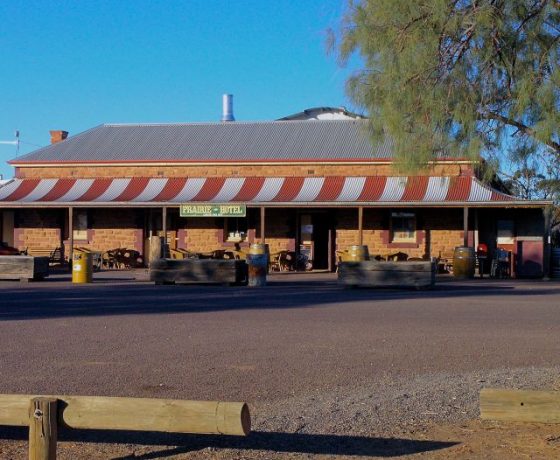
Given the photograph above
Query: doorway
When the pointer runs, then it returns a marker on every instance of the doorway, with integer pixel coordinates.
(7, 227)
(314, 239)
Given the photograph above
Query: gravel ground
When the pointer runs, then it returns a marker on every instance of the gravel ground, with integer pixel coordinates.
(327, 372)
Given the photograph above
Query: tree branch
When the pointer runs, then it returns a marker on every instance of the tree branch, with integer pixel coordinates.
(520, 126)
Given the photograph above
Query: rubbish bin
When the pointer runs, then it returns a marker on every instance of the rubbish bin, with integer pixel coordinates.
(463, 262)
(257, 260)
(82, 267)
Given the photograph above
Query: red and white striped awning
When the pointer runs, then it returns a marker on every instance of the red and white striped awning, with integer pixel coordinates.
(271, 191)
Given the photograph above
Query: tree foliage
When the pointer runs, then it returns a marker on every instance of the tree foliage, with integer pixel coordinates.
(458, 76)
(531, 174)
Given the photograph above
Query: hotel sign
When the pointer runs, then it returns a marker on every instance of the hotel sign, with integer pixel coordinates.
(213, 210)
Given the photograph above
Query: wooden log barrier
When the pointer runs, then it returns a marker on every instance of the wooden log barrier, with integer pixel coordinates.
(520, 405)
(217, 271)
(43, 428)
(23, 268)
(371, 273)
(136, 414)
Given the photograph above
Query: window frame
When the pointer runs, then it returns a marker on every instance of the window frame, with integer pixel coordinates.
(413, 238)
(231, 225)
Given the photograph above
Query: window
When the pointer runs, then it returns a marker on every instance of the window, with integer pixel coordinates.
(235, 229)
(403, 227)
(505, 232)
(81, 225)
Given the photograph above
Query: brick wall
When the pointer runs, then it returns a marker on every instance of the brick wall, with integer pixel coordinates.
(38, 229)
(207, 234)
(112, 229)
(201, 234)
(280, 230)
(270, 170)
(438, 232)
(445, 231)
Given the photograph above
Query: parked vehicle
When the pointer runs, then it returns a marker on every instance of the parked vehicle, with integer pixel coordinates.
(6, 250)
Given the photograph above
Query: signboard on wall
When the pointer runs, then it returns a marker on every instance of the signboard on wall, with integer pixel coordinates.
(213, 210)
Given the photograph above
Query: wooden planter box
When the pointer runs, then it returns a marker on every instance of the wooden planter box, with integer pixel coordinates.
(206, 271)
(23, 268)
(371, 273)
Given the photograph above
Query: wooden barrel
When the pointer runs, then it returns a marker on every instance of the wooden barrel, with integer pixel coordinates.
(357, 253)
(257, 261)
(463, 262)
(555, 263)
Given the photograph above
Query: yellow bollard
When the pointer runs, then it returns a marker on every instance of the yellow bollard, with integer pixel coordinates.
(82, 267)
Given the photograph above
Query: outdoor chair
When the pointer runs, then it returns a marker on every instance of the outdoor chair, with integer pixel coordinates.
(340, 257)
(218, 254)
(186, 253)
(281, 261)
(176, 254)
(275, 262)
(109, 259)
(129, 258)
(500, 266)
(397, 257)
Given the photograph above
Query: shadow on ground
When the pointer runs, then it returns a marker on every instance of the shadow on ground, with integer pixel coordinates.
(303, 443)
(52, 300)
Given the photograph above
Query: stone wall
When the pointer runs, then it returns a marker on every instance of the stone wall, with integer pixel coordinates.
(280, 230)
(233, 170)
(445, 231)
(38, 229)
(438, 233)
(202, 234)
(47, 229)
(114, 228)
(207, 234)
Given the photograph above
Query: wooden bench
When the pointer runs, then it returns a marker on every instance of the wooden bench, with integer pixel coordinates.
(206, 271)
(55, 255)
(371, 273)
(23, 268)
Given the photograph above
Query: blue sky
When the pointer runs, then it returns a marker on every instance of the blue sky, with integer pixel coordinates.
(76, 64)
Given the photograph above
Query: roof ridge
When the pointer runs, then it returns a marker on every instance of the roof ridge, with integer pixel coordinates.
(229, 123)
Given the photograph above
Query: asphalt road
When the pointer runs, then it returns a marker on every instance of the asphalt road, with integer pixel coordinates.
(300, 338)
(300, 333)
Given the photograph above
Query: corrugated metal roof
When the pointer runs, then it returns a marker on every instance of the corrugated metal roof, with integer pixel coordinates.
(238, 141)
(325, 191)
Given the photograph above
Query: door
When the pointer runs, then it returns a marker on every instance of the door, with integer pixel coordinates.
(314, 238)
(530, 258)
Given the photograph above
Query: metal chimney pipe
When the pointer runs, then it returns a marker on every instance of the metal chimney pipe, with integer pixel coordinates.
(227, 111)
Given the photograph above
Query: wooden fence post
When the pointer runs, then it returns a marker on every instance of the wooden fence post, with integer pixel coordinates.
(43, 429)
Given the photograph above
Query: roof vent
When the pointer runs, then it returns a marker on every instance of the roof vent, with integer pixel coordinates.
(227, 111)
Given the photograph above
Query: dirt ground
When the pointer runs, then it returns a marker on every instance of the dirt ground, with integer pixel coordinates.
(472, 439)
(327, 372)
